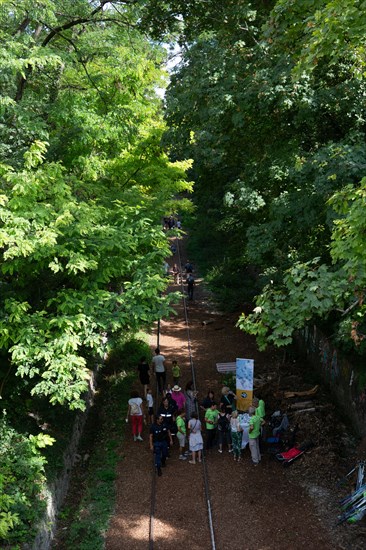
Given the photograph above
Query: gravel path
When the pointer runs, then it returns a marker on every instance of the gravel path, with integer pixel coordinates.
(261, 508)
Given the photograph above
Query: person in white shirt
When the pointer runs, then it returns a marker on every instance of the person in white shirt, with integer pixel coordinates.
(150, 404)
(136, 414)
(158, 365)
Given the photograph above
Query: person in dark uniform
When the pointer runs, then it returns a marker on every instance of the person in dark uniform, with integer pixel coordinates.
(160, 436)
(190, 285)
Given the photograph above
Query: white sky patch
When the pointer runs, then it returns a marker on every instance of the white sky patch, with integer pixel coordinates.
(174, 57)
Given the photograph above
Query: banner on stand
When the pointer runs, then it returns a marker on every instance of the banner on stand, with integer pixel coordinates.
(244, 383)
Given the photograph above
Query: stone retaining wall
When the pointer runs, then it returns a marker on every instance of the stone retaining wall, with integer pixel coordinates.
(345, 380)
(57, 491)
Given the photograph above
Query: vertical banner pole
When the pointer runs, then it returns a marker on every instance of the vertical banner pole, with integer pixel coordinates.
(244, 383)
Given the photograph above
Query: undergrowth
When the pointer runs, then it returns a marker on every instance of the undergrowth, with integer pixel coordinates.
(86, 521)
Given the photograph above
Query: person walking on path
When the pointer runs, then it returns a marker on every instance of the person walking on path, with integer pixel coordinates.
(136, 414)
(195, 438)
(254, 433)
(188, 268)
(236, 435)
(190, 286)
(211, 424)
(175, 272)
(158, 365)
(181, 433)
(144, 370)
(159, 437)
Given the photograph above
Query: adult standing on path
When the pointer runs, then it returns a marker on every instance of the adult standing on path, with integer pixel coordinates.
(136, 414)
(191, 399)
(190, 286)
(228, 399)
(195, 438)
(159, 437)
(144, 370)
(158, 364)
(236, 435)
(211, 418)
(254, 433)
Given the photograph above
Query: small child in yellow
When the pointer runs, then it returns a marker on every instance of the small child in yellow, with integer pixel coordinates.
(175, 372)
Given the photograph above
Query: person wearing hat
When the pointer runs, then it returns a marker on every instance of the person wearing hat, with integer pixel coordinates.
(178, 396)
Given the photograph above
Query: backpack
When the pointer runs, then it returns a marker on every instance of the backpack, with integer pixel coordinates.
(134, 409)
(223, 423)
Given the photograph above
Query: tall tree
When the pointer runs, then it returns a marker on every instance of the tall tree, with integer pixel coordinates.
(84, 183)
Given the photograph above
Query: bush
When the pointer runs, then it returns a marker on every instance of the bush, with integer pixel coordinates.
(126, 355)
(22, 482)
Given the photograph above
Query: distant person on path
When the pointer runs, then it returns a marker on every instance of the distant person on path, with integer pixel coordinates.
(195, 438)
(223, 429)
(160, 436)
(190, 286)
(175, 372)
(158, 365)
(188, 268)
(228, 399)
(211, 417)
(236, 435)
(175, 272)
(144, 370)
(181, 433)
(135, 414)
(254, 433)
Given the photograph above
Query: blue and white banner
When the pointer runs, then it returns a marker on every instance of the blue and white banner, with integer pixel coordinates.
(244, 383)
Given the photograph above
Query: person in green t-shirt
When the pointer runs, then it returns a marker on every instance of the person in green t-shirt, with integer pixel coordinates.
(211, 417)
(259, 406)
(255, 423)
(175, 372)
(181, 433)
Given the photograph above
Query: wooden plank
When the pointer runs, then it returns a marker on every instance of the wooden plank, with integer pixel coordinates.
(226, 367)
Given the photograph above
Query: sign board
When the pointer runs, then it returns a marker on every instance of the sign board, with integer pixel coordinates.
(244, 383)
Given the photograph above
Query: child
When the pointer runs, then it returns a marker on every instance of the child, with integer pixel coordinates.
(168, 390)
(175, 372)
(236, 435)
(150, 404)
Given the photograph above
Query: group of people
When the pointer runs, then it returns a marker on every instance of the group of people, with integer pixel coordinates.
(169, 222)
(177, 416)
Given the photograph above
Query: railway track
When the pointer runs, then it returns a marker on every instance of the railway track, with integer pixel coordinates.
(157, 494)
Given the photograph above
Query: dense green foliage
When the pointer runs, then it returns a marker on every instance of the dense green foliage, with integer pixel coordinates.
(269, 102)
(84, 185)
(22, 482)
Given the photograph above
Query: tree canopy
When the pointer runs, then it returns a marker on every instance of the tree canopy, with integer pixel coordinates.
(84, 184)
(269, 103)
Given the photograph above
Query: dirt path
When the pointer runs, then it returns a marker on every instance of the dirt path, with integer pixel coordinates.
(253, 508)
